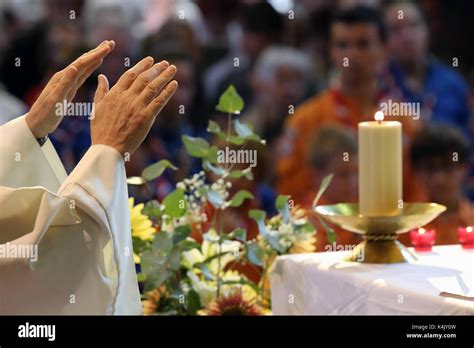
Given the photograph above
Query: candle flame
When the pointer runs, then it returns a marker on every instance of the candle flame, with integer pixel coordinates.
(379, 116)
(421, 231)
(469, 229)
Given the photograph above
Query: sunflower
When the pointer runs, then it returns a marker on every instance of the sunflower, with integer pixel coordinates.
(235, 304)
(142, 226)
(150, 304)
(303, 246)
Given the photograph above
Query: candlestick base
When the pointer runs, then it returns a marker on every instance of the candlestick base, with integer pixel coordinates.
(380, 232)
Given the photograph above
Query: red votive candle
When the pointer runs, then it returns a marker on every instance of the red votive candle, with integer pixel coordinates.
(466, 237)
(422, 239)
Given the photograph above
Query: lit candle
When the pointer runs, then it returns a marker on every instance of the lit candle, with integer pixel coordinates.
(466, 237)
(380, 167)
(422, 239)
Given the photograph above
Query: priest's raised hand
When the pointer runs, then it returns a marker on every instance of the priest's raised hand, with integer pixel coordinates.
(65, 241)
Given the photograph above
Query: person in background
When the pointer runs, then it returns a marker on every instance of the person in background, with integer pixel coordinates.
(417, 75)
(333, 151)
(357, 51)
(440, 157)
(281, 79)
(420, 77)
(261, 26)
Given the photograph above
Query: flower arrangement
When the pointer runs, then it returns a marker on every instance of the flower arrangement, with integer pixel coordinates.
(184, 276)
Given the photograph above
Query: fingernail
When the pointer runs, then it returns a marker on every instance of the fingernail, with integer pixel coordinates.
(172, 68)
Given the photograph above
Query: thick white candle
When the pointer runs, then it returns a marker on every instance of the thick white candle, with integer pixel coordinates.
(380, 167)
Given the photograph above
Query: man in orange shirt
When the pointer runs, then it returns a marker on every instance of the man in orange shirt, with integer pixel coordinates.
(358, 38)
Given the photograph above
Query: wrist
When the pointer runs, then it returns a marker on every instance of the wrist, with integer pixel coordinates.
(38, 133)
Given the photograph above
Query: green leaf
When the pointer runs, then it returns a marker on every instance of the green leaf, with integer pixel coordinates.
(329, 231)
(181, 233)
(230, 101)
(256, 214)
(215, 198)
(174, 258)
(255, 254)
(207, 166)
(140, 245)
(239, 198)
(175, 204)
(188, 245)
(237, 174)
(163, 243)
(156, 278)
(213, 127)
(152, 209)
(141, 277)
(324, 185)
(236, 140)
(196, 147)
(244, 130)
(281, 204)
(193, 302)
(155, 170)
(212, 154)
(239, 234)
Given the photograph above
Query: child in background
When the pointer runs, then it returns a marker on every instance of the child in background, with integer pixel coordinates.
(333, 149)
(440, 157)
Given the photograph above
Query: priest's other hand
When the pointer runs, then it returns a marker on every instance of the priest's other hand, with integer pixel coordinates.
(123, 115)
(43, 117)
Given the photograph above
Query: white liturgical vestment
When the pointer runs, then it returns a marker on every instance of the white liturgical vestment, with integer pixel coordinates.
(65, 241)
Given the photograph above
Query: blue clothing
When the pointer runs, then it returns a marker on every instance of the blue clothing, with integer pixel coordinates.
(445, 94)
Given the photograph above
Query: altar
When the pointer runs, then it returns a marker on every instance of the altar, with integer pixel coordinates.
(323, 283)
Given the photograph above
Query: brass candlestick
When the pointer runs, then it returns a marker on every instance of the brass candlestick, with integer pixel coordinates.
(380, 232)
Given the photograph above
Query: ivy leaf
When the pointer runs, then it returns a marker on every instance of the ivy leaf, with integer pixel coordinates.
(196, 147)
(239, 198)
(324, 185)
(230, 102)
(175, 204)
(155, 170)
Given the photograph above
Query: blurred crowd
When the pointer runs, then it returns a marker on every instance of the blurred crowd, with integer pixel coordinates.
(308, 70)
